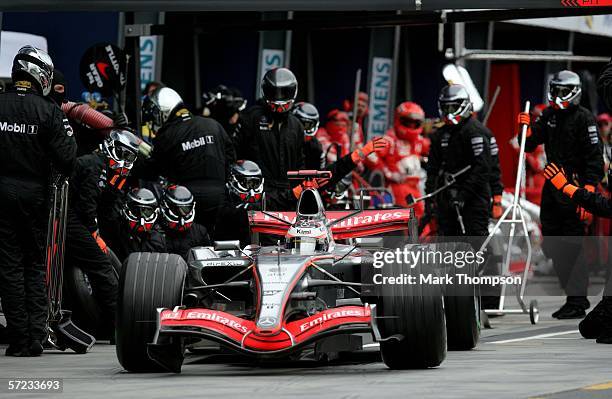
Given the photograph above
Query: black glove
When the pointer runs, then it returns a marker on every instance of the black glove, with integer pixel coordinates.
(120, 120)
(430, 206)
(456, 203)
(456, 199)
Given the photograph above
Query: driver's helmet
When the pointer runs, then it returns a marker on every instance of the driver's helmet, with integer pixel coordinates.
(307, 237)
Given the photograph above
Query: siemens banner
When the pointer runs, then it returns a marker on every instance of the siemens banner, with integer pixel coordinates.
(270, 59)
(148, 60)
(380, 96)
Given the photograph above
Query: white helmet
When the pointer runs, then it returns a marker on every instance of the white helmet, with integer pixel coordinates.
(564, 90)
(158, 107)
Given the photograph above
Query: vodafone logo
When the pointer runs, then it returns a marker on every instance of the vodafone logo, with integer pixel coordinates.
(169, 315)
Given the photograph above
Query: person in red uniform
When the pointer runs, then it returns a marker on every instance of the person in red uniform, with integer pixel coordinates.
(334, 136)
(401, 166)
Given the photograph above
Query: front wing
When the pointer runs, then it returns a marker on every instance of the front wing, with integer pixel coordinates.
(241, 334)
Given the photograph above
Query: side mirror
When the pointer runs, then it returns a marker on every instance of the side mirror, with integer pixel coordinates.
(227, 245)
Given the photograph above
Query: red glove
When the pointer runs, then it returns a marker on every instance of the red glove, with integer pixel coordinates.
(557, 177)
(379, 145)
(316, 183)
(525, 119)
(497, 207)
(586, 216)
(100, 241)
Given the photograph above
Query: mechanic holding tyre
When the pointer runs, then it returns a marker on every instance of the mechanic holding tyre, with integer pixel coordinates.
(137, 230)
(36, 139)
(179, 213)
(96, 189)
(570, 136)
(246, 191)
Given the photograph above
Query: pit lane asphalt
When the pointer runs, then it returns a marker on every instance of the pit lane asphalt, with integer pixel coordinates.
(513, 360)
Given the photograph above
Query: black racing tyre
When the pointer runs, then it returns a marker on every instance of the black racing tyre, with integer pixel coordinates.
(461, 302)
(414, 316)
(79, 299)
(148, 281)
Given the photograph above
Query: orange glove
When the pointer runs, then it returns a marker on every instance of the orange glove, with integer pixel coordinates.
(525, 119)
(379, 145)
(100, 241)
(497, 207)
(557, 177)
(584, 215)
(316, 183)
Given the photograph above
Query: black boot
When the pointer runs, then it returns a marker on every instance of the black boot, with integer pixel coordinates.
(555, 314)
(592, 325)
(575, 308)
(36, 348)
(606, 331)
(18, 350)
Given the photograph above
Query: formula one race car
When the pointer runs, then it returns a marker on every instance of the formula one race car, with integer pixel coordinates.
(275, 301)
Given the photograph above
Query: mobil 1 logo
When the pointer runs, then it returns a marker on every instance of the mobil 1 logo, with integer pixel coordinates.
(14, 127)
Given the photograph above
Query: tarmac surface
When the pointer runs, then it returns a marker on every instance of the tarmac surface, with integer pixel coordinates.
(513, 360)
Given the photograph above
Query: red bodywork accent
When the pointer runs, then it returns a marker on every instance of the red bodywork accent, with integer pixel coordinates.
(243, 332)
(367, 223)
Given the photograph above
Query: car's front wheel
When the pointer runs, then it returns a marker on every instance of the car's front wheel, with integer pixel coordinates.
(148, 281)
(411, 317)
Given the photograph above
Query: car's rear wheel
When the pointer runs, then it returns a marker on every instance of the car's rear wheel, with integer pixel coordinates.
(411, 319)
(461, 301)
(79, 299)
(148, 281)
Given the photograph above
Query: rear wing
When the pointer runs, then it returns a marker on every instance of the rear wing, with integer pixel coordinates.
(365, 223)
